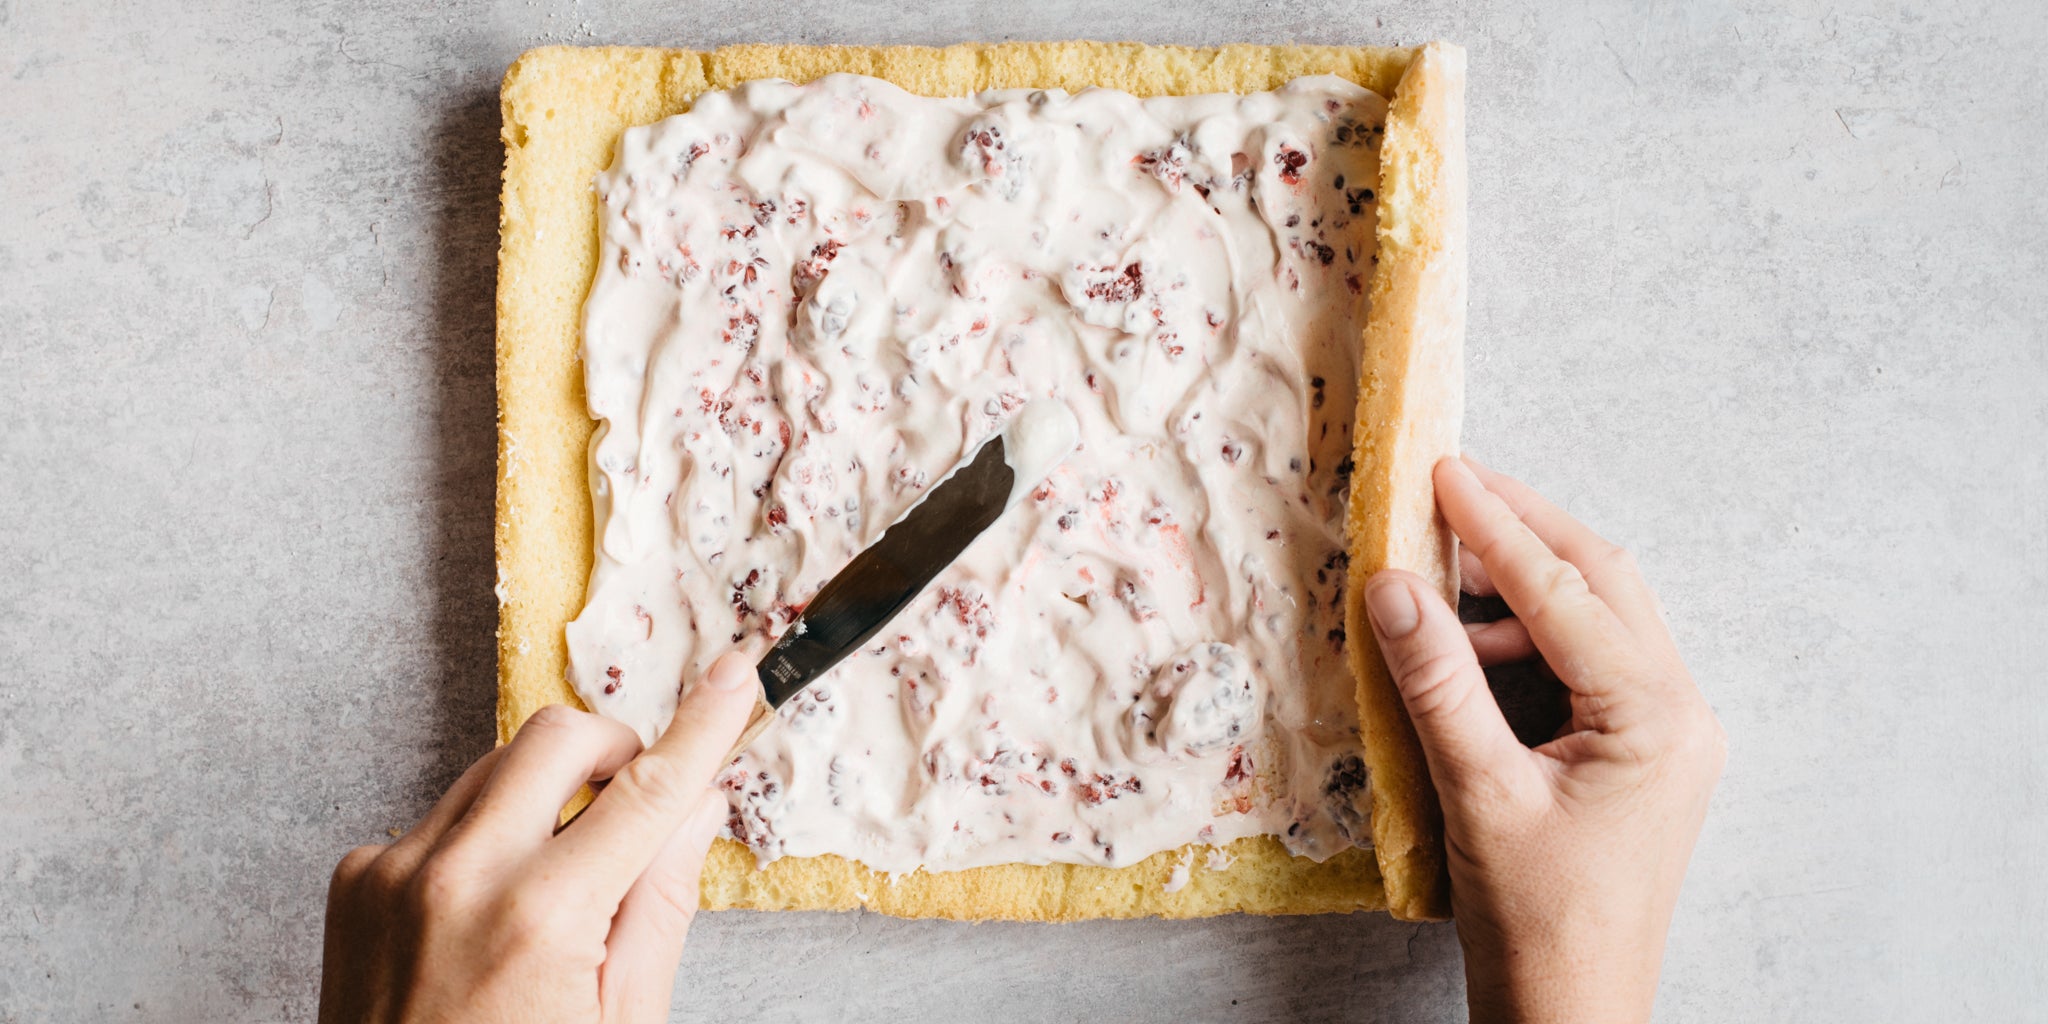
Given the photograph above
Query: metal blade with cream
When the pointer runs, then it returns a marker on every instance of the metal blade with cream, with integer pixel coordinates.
(867, 594)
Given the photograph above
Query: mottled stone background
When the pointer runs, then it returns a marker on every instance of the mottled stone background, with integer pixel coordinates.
(1757, 288)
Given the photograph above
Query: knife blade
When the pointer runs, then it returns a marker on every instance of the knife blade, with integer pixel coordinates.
(855, 604)
(876, 585)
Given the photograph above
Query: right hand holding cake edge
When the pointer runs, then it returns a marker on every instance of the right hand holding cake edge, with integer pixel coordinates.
(1565, 859)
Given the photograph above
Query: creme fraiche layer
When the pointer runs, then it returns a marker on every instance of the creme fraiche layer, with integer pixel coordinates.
(813, 300)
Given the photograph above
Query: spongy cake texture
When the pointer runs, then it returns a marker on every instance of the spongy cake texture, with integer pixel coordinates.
(563, 111)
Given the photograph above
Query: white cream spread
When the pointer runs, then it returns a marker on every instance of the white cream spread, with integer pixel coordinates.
(813, 301)
(1034, 441)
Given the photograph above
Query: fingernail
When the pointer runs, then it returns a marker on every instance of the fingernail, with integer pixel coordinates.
(1391, 606)
(1462, 465)
(733, 671)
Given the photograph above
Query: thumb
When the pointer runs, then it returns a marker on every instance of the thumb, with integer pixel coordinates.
(638, 980)
(1464, 737)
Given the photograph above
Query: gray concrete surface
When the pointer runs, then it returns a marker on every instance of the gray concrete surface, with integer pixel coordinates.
(1758, 288)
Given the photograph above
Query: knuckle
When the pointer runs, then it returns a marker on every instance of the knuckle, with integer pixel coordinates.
(1557, 585)
(1560, 578)
(1431, 683)
(354, 864)
(532, 914)
(1488, 548)
(678, 896)
(1693, 742)
(1618, 559)
(649, 782)
(1711, 742)
(555, 718)
(386, 875)
(441, 884)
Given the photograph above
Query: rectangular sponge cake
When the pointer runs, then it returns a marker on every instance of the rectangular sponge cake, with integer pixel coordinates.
(564, 108)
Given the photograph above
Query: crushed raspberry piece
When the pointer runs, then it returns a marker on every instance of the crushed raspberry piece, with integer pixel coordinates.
(739, 593)
(983, 148)
(1240, 767)
(1290, 161)
(1122, 288)
(1104, 787)
(1168, 164)
(972, 610)
(741, 330)
(613, 673)
(810, 271)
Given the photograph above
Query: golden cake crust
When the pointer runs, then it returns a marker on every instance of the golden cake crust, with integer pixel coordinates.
(564, 108)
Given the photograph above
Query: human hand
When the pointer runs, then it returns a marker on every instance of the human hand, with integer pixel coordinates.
(484, 912)
(1565, 860)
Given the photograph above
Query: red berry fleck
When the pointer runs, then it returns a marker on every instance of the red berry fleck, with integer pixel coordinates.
(972, 610)
(1291, 162)
(1122, 288)
(1240, 767)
